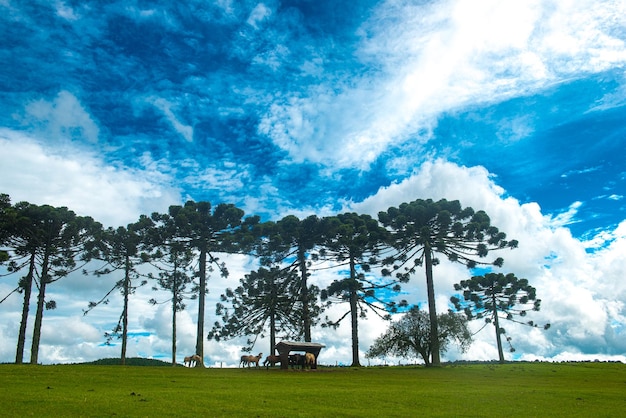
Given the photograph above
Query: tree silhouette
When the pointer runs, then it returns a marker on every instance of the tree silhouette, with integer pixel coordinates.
(265, 299)
(208, 231)
(120, 248)
(292, 241)
(172, 257)
(355, 240)
(494, 294)
(424, 227)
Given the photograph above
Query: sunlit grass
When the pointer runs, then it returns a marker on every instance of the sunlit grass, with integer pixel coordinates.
(517, 389)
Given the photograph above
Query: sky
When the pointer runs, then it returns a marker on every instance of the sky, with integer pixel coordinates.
(121, 108)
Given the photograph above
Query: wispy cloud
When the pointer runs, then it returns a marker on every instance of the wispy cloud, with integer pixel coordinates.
(64, 117)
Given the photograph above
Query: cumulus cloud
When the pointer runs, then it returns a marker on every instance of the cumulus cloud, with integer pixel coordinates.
(79, 180)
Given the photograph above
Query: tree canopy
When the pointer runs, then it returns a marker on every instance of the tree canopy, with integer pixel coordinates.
(495, 296)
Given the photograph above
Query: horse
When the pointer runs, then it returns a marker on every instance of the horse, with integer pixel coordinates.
(197, 359)
(255, 359)
(271, 360)
(309, 360)
(244, 360)
(296, 360)
(191, 361)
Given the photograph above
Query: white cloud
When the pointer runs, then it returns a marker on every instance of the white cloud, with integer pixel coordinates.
(66, 11)
(32, 172)
(428, 59)
(165, 106)
(260, 13)
(63, 118)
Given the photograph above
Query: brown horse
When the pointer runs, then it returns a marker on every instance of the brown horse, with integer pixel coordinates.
(255, 359)
(271, 360)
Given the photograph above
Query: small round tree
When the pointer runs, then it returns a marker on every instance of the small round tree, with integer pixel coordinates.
(410, 336)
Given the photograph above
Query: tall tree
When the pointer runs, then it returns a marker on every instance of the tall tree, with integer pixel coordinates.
(120, 249)
(496, 296)
(25, 243)
(355, 241)
(63, 239)
(209, 231)
(18, 231)
(292, 241)
(173, 258)
(424, 227)
(263, 300)
(410, 336)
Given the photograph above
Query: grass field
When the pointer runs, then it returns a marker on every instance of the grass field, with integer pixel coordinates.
(477, 390)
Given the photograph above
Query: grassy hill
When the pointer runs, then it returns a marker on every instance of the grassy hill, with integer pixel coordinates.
(132, 361)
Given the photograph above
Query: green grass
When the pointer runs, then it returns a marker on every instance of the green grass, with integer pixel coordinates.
(515, 389)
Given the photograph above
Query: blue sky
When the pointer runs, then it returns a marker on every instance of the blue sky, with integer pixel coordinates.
(116, 109)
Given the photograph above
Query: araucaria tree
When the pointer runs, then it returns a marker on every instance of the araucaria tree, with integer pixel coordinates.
(172, 257)
(120, 250)
(355, 241)
(48, 242)
(207, 231)
(263, 301)
(410, 336)
(292, 241)
(496, 296)
(422, 228)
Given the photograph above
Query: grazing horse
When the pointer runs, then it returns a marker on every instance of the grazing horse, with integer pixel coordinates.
(191, 361)
(271, 360)
(196, 359)
(255, 359)
(309, 360)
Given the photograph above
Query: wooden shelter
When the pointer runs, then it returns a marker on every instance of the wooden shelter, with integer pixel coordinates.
(286, 347)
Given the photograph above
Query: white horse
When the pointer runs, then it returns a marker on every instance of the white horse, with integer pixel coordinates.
(192, 361)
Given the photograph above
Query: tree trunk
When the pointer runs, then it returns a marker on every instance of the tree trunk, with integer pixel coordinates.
(496, 323)
(273, 315)
(354, 315)
(174, 309)
(432, 311)
(272, 332)
(174, 333)
(201, 301)
(27, 285)
(306, 316)
(126, 291)
(34, 351)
